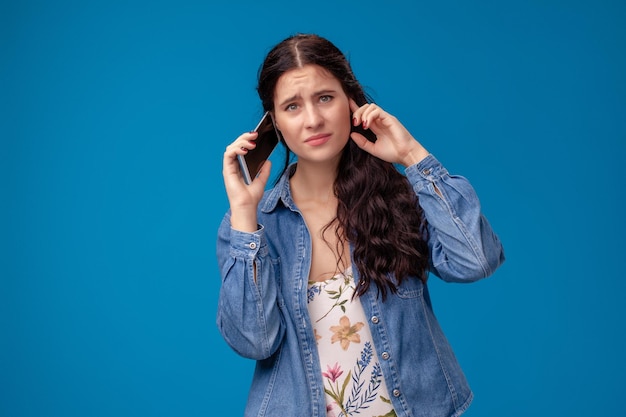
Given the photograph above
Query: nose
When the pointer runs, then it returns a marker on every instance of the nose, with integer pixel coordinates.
(313, 117)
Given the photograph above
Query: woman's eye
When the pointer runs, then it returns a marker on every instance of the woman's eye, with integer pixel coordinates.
(325, 99)
(291, 107)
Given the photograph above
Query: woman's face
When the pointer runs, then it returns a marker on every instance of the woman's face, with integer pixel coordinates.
(313, 113)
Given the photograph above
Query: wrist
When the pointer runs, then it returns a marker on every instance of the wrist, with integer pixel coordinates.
(414, 156)
(244, 219)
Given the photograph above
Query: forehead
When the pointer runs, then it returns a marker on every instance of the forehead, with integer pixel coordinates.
(308, 78)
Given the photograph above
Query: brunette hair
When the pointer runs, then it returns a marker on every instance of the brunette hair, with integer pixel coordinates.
(378, 211)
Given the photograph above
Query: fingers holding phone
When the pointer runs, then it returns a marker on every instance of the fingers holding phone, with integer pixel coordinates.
(246, 170)
(239, 147)
(267, 138)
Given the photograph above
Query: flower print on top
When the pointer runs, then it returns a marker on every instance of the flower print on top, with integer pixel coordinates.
(353, 379)
(332, 373)
(340, 295)
(344, 333)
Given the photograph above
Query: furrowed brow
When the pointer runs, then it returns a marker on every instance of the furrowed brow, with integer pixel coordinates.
(289, 100)
(324, 92)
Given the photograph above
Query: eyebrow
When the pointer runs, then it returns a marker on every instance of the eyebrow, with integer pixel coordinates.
(316, 94)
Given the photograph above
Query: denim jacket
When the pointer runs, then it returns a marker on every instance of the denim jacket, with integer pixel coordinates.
(266, 318)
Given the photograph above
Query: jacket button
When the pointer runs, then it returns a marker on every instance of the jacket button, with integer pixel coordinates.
(375, 319)
(396, 392)
(252, 245)
(385, 355)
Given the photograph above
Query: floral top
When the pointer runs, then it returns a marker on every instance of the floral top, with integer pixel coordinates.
(353, 380)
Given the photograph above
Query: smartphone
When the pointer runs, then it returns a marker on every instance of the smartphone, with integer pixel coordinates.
(251, 163)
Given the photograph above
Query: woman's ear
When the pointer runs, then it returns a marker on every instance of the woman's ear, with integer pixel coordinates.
(274, 120)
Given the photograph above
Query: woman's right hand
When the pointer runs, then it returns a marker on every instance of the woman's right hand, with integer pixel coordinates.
(244, 199)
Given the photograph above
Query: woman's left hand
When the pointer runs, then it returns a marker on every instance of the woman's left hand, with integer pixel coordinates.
(393, 144)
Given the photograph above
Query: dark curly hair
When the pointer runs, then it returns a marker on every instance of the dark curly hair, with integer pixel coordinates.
(378, 211)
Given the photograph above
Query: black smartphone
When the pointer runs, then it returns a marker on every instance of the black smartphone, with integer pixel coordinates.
(251, 163)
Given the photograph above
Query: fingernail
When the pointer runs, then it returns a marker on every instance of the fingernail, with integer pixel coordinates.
(354, 121)
(364, 124)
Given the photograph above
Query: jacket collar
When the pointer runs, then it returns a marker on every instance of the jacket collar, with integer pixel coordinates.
(281, 192)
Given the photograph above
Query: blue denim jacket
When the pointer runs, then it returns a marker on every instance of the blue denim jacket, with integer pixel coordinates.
(268, 320)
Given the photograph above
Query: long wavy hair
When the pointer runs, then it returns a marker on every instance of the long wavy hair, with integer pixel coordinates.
(378, 211)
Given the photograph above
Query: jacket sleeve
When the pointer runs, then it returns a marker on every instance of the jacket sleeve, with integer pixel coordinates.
(463, 246)
(248, 315)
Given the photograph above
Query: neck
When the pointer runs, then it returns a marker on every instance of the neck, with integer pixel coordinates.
(314, 182)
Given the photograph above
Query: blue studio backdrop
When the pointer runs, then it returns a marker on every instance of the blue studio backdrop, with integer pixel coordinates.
(113, 120)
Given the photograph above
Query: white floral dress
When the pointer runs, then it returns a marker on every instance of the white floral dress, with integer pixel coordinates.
(353, 379)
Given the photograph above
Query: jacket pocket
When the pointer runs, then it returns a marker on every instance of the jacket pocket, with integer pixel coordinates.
(411, 287)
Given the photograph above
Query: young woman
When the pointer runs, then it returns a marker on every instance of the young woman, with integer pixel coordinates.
(324, 276)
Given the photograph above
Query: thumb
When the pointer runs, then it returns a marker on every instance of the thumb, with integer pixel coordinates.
(362, 142)
(264, 173)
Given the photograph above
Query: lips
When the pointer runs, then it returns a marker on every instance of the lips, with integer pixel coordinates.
(317, 140)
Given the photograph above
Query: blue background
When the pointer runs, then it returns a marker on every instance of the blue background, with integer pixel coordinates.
(113, 120)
